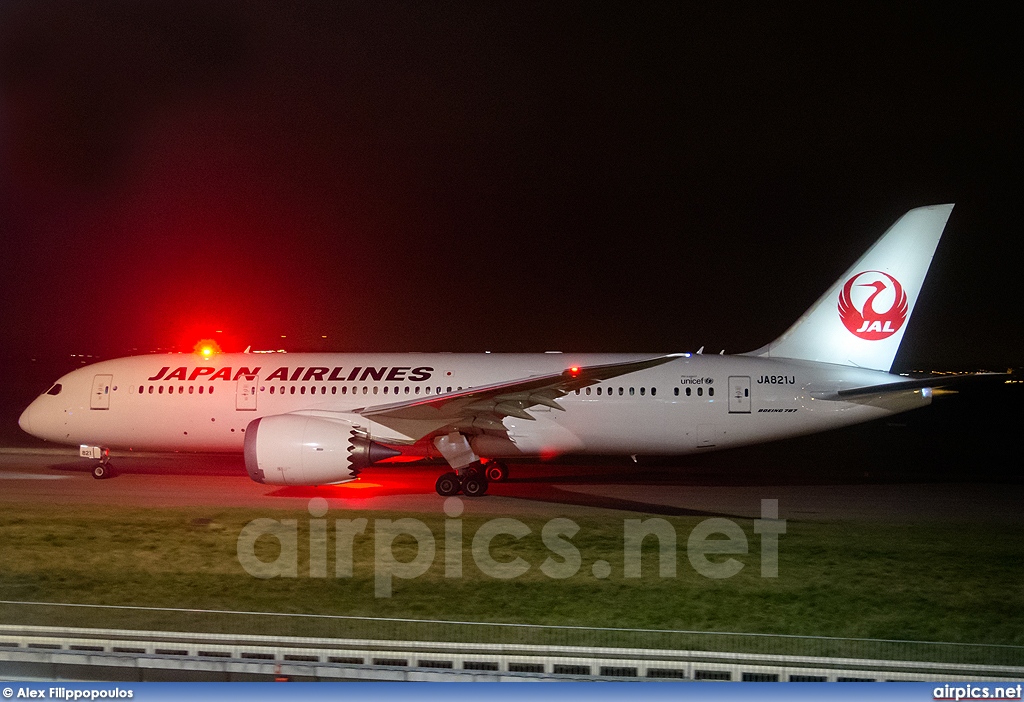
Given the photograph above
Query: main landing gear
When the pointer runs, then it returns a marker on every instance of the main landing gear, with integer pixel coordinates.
(471, 474)
(496, 472)
(470, 483)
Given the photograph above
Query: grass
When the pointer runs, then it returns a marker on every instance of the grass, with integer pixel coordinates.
(926, 582)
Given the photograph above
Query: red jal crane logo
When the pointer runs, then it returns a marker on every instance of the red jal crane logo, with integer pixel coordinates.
(864, 319)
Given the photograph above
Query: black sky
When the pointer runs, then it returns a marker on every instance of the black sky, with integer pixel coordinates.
(502, 176)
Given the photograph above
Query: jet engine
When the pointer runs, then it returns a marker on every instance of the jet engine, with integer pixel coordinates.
(297, 449)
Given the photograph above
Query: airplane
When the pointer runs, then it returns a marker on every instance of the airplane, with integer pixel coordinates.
(321, 418)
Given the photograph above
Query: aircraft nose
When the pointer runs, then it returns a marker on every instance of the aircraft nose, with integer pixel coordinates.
(25, 420)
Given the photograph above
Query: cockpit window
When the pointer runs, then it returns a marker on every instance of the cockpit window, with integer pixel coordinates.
(55, 390)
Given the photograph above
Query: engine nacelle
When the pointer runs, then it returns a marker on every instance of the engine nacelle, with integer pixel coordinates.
(295, 449)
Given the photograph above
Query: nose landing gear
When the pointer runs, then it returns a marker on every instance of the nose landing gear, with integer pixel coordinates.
(103, 469)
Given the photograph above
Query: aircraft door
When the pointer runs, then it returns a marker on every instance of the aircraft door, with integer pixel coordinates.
(245, 394)
(100, 399)
(739, 394)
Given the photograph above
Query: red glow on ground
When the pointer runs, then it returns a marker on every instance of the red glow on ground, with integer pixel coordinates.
(374, 482)
(357, 485)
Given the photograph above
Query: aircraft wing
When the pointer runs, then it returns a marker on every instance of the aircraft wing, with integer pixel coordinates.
(483, 408)
(901, 385)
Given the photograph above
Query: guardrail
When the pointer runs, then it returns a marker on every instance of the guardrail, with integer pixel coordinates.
(127, 655)
(426, 630)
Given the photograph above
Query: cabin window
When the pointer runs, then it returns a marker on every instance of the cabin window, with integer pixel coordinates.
(141, 389)
(385, 389)
(365, 390)
(302, 390)
(449, 389)
(588, 391)
(200, 389)
(417, 390)
(711, 392)
(406, 389)
(700, 392)
(631, 391)
(192, 388)
(292, 389)
(334, 390)
(675, 391)
(374, 389)
(599, 391)
(654, 391)
(643, 390)
(620, 391)
(271, 389)
(688, 391)
(344, 389)
(211, 390)
(160, 390)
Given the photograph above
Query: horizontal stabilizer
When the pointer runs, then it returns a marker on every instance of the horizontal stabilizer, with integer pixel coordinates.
(940, 381)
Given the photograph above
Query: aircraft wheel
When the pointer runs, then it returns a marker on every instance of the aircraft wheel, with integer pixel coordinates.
(474, 485)
(496, 472)
(448, 484)
(102, 470)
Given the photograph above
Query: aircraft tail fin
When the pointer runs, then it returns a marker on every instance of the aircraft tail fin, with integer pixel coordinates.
(861, 319)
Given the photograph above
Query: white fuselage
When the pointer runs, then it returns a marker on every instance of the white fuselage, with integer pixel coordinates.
(180, 402)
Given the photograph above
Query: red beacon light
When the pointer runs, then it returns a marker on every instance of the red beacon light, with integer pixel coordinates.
(207, 348)
(574, 371)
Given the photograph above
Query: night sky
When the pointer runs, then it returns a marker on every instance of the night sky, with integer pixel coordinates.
(497, 176)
